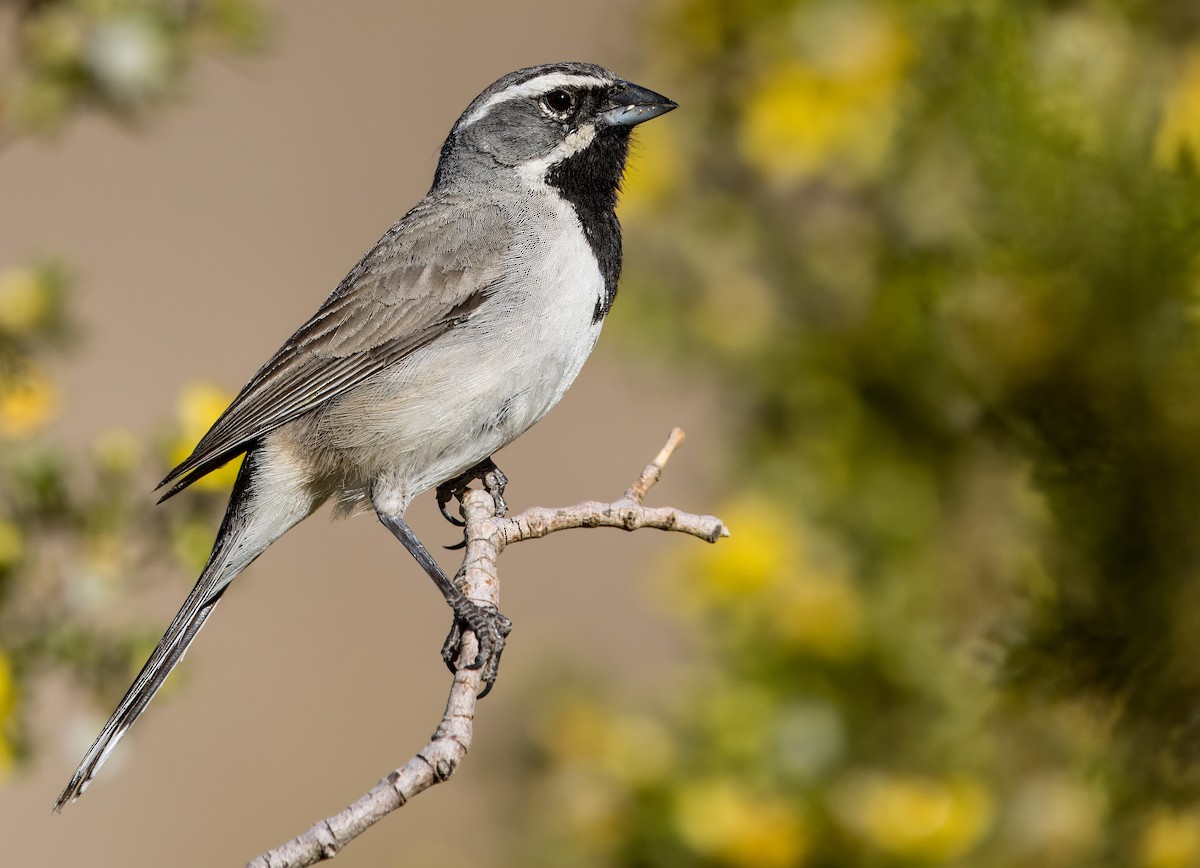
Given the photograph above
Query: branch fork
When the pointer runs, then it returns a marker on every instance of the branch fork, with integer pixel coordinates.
(486, 537)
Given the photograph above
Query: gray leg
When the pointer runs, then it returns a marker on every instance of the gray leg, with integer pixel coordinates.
(488, 625)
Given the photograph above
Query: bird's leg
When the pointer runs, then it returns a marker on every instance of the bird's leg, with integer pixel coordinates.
(486, 471)
(489, 626)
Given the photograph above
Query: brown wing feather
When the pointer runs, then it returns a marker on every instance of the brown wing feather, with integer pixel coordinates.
(427, 274)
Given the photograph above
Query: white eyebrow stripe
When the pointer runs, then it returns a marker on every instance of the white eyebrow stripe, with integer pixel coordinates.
(542, 84)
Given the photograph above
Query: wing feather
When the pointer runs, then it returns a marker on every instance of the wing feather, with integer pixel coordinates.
(428, 274)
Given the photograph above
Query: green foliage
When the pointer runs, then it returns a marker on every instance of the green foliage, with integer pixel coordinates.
(78, 536)
(943, 258)
(124, 57)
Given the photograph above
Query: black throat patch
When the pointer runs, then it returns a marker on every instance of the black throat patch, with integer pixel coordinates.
(590, 180)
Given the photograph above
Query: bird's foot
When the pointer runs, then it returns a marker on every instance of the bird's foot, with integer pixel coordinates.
(494, 482)
(490, 629)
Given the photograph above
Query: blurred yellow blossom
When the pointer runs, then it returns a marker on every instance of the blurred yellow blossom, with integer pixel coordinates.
(8, 688)
(8, 758)
(589, 807)
(1179, 130)
(739, 718)
(573, 728)
(766, 562)
(25, 299)
(734, 826)
(915, 817)
(27, 403)
(638, 750)
(632, 749)
(755, 558)
(832, 113)
(12, 544)
(820, 613)
(8, 705)
(199, 406)
(1171, 840)
(654, 170)
(700, 26)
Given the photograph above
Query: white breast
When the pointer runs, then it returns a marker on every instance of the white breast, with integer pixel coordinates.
(456, 401)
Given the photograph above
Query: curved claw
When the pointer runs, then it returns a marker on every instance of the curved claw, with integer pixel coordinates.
(451, 645)
(494, 482)
(491, 630)
(446, 493)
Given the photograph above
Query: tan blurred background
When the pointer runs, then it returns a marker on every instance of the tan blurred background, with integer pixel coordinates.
(199, 243)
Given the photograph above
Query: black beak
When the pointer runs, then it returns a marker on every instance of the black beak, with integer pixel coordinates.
(629, 105)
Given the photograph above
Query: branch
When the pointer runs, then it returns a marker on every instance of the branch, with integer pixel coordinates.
(486, 536)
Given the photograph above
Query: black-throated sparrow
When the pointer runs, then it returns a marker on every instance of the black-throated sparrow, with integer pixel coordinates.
(454, 334)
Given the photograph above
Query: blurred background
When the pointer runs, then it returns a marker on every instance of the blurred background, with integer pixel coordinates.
(920, 280)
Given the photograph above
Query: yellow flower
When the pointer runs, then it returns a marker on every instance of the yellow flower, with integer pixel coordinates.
(8, 689)
(8, 758)
(8, 705)
(573, 729)
(12, 544)
(734, 826)
(25, 300)
(1179, 130)
(624, 748)
(831, 114)
(821, 613)
(755, 558)
(1170, 840)
(587, 808)
(199, 406)
(27, 404)
(637, 750)
(915, 817)
(654, 169)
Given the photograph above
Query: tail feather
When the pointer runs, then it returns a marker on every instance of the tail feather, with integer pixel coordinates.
(166, 656)
(242, 537)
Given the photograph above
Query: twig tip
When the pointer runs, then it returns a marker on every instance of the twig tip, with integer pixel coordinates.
(675, 438)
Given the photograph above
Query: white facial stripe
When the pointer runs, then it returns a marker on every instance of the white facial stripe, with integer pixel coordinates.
(541, 84)
(534, 171)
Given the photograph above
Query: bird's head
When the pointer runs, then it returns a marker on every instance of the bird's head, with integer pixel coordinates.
(564, 123)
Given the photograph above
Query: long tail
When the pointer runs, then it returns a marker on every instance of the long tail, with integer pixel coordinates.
(244, 535)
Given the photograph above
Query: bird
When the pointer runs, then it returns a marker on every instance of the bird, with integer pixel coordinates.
(459, 329)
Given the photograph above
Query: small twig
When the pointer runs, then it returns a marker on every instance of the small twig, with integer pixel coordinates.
(486, 537)
(652, 472)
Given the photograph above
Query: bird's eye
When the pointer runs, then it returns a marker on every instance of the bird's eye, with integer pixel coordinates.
(558, 102)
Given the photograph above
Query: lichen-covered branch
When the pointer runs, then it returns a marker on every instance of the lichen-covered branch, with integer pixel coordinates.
(486, 537)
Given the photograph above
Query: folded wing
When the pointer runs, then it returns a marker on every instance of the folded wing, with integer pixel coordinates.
(429, 273)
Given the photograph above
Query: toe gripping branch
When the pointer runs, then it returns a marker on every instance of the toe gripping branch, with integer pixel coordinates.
(494, 482)
(489, 626)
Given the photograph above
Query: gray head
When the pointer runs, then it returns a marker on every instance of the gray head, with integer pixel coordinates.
(571, 120)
